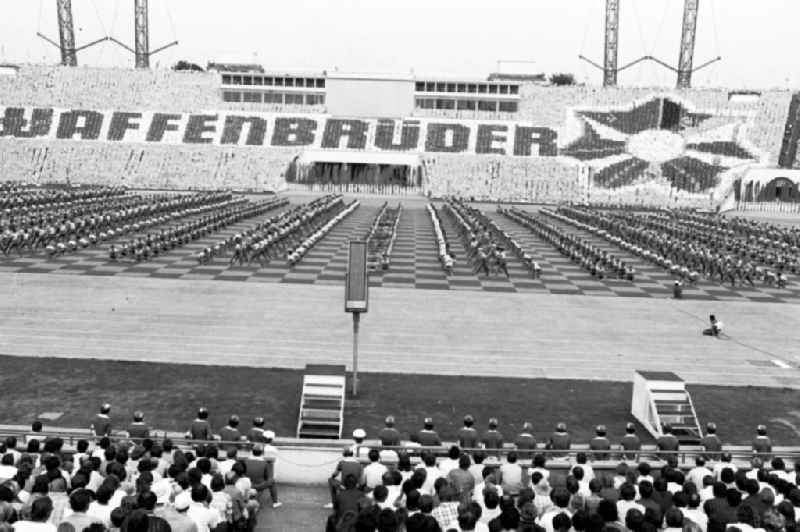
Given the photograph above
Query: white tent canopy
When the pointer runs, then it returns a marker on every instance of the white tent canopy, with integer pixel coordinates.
(359, 157)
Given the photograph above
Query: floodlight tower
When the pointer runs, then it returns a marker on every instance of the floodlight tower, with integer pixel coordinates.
(66, 33)
(688, 35)
(612, 44)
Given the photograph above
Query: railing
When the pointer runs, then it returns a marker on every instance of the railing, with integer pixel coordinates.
(358, 188)
(769, 206)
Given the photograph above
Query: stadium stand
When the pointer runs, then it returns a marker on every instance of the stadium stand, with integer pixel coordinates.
(722, 136)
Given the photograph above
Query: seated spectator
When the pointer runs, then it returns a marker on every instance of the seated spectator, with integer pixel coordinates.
(461, 479)
(674, 520)
(510, 474)
(373, 472)
(40, 514)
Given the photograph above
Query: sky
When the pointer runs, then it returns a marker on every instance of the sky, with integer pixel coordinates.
(757, 39)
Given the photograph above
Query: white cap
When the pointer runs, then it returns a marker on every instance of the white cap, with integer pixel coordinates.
(359, 433)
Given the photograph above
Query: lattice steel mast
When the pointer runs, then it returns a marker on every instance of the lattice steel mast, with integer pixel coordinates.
(688, 36)
(611, 44)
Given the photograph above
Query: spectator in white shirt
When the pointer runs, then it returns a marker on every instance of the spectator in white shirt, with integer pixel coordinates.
(373, 472)
(698, 472)
(560, 498)
(539, 466)
(726, 461)
(582, 462)
(40, 513)
(583, 483)
(477, 466)
(7, 468)
(431, 472)
(490, 506)
(204, 517)
(694, 513)
(100, 508)
(627, 496)
(511, 475)
(451, 462)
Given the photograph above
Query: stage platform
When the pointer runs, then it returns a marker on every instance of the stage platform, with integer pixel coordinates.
(407, 331)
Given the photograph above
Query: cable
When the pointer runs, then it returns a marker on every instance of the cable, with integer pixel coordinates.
(586, 26)
(171, 22)
(660, 27)
(102, 27)
(39, 22)
(639, 27)
(714, 26)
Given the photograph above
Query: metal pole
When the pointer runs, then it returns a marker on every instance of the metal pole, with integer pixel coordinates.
(356, 319)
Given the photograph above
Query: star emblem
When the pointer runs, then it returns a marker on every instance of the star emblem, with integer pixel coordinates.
(658, 137)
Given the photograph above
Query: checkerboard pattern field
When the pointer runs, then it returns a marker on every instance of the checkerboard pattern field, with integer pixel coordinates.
(414, 264)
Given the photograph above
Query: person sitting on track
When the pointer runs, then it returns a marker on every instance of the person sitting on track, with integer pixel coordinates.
(716, 327)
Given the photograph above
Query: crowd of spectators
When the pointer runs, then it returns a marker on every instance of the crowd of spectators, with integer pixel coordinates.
(491, 178)
(152, 166)
(477, 487)
(133, 484)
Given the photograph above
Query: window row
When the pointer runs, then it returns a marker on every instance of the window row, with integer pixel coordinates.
(479, 88)
(273, 97)
(259, 80)
(468, 105)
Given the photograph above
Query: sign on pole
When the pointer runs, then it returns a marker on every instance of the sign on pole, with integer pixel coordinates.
(356, 294)
(356, 285)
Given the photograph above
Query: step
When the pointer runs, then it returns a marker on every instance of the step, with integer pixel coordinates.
(316, 413)
(673, 408)
(667, 396)
(324, 380)
(322, 391)
(322, 403)
(313, 425)
(319, 423)
(309, 433)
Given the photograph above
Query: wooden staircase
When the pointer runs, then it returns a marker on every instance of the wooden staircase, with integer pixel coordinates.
(322, 402)
(659, 398)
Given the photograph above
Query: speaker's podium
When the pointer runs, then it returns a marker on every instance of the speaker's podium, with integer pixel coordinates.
(659, 398)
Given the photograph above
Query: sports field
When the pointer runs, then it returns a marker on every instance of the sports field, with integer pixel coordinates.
(560, 348)
(170, 393)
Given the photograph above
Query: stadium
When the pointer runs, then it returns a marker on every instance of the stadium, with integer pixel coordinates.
(515, 303)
